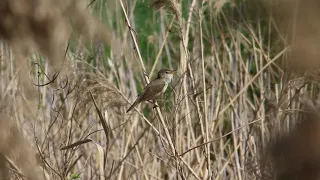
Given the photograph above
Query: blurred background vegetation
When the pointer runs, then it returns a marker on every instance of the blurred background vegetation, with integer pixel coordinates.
(70, 69)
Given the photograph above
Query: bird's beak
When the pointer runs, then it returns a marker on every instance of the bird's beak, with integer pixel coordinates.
(173, 71)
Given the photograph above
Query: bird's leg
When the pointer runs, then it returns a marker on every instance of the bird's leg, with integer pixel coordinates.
(154, 103)
(155, 106)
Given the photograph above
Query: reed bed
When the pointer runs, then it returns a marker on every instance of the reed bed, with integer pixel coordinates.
(247, 77)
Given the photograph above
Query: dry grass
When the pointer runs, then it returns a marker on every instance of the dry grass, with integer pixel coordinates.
(247, 74)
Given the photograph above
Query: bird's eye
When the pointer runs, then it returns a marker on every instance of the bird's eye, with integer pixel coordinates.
(167, 72)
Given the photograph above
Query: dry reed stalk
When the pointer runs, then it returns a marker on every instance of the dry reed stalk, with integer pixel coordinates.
(232, 98)
(42, 26)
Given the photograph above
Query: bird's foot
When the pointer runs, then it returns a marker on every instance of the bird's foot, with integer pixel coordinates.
(154, 103)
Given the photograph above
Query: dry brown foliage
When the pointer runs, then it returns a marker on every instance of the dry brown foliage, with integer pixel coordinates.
(295, 153)
(76, 124)
(37, 26)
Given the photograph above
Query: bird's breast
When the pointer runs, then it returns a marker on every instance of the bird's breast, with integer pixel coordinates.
(164, 88)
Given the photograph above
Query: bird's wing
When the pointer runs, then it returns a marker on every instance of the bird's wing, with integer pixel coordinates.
(152, 89)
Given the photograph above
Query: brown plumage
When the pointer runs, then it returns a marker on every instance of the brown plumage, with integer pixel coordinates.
(155, 87)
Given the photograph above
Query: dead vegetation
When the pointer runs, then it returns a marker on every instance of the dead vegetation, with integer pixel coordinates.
(238, 109)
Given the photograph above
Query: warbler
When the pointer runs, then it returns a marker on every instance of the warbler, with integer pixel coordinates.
(155, 87)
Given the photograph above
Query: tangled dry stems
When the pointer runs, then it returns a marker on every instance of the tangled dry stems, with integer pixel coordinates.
(64, 115)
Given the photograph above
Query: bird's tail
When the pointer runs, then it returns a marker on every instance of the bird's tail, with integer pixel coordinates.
(132, 106)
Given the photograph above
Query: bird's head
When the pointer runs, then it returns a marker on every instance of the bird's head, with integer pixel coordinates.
(166, 74)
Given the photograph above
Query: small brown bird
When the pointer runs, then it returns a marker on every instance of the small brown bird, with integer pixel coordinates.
(155, 87)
